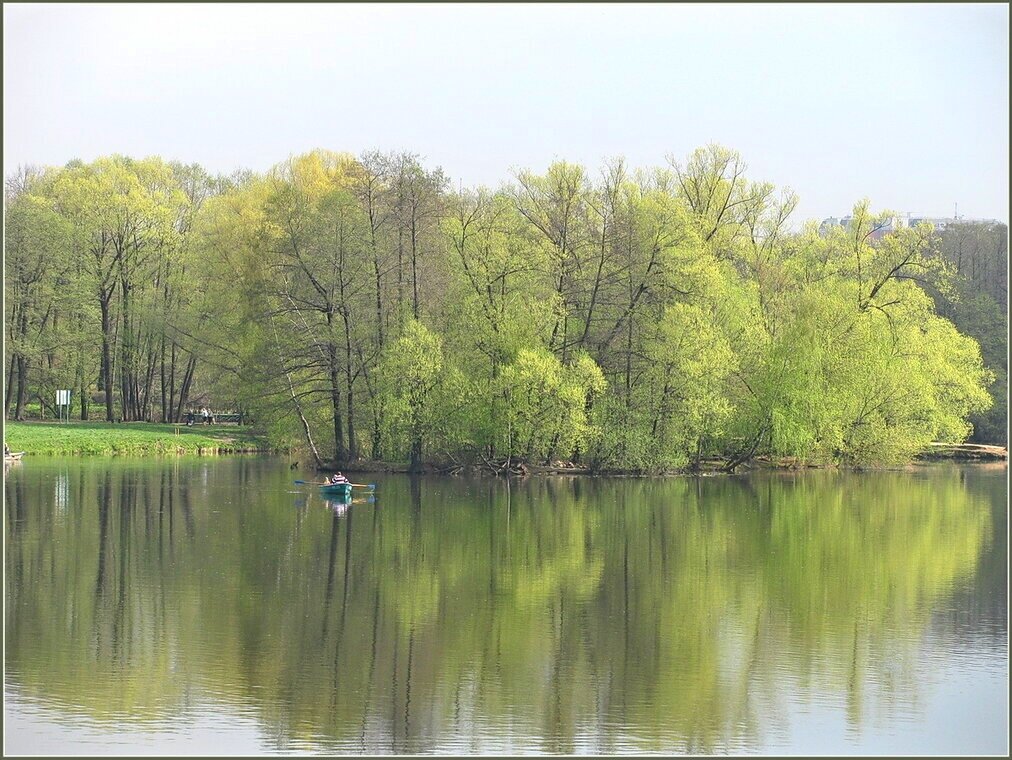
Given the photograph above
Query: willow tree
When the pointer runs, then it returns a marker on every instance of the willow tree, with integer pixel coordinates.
(410, 371)
(844, 358)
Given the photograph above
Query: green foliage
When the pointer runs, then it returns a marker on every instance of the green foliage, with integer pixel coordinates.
(409, 373)
(845, 359)
(545, 409)
(977, 304)
(39, 289)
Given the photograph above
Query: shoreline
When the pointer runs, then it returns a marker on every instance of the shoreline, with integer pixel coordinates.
(176, 439)
(958, 453)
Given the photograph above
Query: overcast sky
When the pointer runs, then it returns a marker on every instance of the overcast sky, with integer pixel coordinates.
(905, 104)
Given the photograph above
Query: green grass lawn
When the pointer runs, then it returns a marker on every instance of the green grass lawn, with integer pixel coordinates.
(134, 438)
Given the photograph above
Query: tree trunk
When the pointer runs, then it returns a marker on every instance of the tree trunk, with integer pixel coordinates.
(414, 265)
(340, 452)
(149, 381)
(296, 403)
(349, 392)
(377, 448)
(352, 443)
(82, 389)
(106, 358)
(184, 389)
(400, 271)
(126, 356)
(9, 392)
(19, 412)
(124, 393)
(379, 298)
(416, 455)
(172, 384)
(374, 406)
(416, 443)
(164, 383)
(628, 362)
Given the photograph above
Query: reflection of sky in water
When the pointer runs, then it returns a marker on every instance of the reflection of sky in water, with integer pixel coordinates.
(61, 495)
(961, 711)
(207, 729)
(957, 700)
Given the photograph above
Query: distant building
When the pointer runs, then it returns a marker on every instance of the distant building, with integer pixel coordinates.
(901, 221)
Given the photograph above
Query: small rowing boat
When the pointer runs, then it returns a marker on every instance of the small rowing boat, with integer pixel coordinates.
(13, 456)
(336, 489)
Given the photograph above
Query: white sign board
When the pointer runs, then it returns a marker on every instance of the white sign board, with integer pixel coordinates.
(63, 398)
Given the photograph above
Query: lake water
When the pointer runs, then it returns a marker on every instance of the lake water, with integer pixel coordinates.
(209, 606)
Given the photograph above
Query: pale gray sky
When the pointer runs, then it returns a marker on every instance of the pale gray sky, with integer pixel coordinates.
(904, 104)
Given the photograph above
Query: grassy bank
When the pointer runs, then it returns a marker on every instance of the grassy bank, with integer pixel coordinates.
(133, 438)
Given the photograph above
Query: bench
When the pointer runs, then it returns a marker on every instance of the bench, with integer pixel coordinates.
(216, 419)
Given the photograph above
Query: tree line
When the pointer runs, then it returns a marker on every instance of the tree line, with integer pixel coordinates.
(362, 308)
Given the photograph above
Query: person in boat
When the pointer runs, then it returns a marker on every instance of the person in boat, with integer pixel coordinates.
(7, 450)
(337, 479)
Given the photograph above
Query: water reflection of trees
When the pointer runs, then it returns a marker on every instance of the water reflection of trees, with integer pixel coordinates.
(668, 614)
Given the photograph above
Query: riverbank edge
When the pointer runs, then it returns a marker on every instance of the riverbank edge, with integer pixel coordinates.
(162, 440)
(963, 453)
(200, 451)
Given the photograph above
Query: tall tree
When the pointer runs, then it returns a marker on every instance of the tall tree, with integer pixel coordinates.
(36, 240)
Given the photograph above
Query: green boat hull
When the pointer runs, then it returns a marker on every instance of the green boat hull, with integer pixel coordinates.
(340, 489)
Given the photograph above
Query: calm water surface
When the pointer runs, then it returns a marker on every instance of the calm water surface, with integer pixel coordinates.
(211, 607)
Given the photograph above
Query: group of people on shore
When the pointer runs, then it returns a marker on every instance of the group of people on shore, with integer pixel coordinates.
(206, 416)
